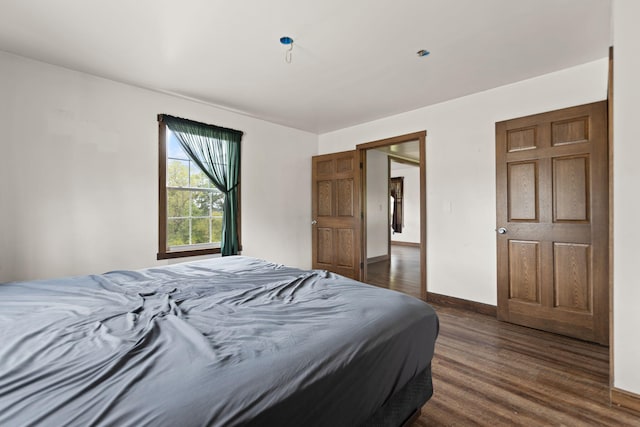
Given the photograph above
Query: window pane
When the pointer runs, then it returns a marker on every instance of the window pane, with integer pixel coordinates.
(174, 149)
(201, 200)
(198, 178)
(177, 232)
(217, 201)
(177, 203)
(177, 173)
(216, 227)
(200, 230)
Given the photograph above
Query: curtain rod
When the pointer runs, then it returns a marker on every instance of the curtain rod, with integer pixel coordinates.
(161, 117)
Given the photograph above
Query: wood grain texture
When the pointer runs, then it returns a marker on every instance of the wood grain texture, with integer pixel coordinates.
(523, 191)
(521, 139)
(491, 373)
(572, 283)
(325, 198)
(345, 197)
(571, 195)
(571, 189)
(325, 245)
(524, 271)
(326, 168)
(570, 131)
(462, 304)
(345, 165)
(401, 272)
(335, 210)
(622, 398)
(345, 248)
(610, 152)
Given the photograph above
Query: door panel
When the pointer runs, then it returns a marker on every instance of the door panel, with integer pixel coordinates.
(336, 213)
(324, 245)
(524, 271)
(552, 197)
(572, 281)
(345, 256)
(325, 198)
(571, 189)
(521, 139)
(570, 131)
(345, 197)
(523, 191)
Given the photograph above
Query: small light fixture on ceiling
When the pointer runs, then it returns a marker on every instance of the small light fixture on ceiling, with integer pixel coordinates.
(422, 52)
(287, 41)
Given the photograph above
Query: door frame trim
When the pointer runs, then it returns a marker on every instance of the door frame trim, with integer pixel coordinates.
(421, 137)
(610, 130)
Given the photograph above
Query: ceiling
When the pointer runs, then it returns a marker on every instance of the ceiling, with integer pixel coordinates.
(352, 61)
(404, 152)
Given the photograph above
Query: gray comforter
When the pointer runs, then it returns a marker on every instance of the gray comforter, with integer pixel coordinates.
(226, 341)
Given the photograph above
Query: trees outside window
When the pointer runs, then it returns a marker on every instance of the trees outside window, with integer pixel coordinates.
(199, 187)
(194, 205)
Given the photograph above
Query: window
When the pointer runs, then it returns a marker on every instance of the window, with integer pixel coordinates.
(194, 205)
(198, 184)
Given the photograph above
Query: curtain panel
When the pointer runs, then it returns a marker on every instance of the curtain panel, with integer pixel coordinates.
(216, 151)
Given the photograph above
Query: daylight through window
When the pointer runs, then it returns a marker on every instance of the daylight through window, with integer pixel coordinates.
(194, 205)
(199, 188)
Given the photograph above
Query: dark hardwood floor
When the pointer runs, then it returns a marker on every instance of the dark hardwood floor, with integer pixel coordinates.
(491, 373)
(401, 273)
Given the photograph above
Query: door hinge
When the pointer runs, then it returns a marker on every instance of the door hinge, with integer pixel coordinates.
(362, 266)
(361, 165)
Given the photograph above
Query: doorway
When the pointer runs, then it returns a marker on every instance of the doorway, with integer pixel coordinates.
(389, 260)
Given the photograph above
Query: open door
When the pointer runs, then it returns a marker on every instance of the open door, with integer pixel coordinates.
(553, 220)
(336, 213)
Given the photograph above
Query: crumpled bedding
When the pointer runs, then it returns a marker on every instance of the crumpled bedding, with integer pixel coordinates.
(224, 341)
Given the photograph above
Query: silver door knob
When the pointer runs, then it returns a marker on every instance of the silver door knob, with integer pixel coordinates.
(314, 222)
(502, 230)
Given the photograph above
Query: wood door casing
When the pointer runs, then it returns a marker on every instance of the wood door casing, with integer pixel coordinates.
(552, 197)
(421, 137)
(336, 211)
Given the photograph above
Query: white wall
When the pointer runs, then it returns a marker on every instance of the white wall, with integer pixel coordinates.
(78, 175)
(410, 203)
(626, 205)
(377, 204)
(460, 151)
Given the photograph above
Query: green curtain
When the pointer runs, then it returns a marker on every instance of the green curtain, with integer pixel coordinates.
(216, 150)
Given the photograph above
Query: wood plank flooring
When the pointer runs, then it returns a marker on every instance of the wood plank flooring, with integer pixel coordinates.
(401, 273)
(491, 373)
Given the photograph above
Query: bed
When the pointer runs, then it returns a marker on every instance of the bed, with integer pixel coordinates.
(220, 342)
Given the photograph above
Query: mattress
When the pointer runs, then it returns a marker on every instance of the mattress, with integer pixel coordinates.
(225, 341)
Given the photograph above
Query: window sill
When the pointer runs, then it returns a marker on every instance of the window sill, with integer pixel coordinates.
(190, 252)
(187, 253)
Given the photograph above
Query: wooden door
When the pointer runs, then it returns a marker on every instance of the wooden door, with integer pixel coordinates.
(336, 213)
(552, 206)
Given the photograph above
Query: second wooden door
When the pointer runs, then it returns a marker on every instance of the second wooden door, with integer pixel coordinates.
(336, 213)
(552, 221)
